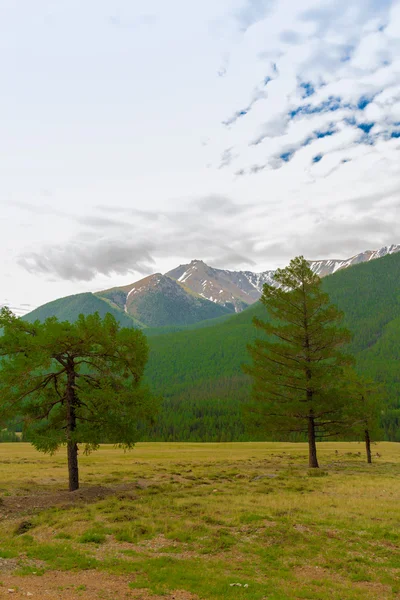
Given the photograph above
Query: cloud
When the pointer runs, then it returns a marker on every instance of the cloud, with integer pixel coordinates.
(290, 37)
(223, 232)
(223, 69)
(226, 158)
(79, 261)
(338, 238)
(99, 222)
(18, 310)
(334, 60)
(40, 209)
(252, 12)
(133, 244)
(259, 93)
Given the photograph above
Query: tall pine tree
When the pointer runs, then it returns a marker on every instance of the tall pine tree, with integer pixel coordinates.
(298, 363)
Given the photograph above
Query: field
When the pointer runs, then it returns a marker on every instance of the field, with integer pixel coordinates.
(188, 521)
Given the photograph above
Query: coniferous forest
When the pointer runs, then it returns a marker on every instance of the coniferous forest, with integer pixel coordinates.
(198, 371)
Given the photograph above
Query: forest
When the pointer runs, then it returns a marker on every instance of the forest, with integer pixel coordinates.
(198, 371)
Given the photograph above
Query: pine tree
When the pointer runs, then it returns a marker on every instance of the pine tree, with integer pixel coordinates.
(74, 383)
(364, 402)
(298, 363)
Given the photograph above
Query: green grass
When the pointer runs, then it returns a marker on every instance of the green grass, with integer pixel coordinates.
(200, 517)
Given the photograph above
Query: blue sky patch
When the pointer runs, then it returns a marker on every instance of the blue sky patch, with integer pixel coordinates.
(328, 132)
(308, 89)
(286, 156)
(317, 158)
(363, 102)
(333, 103)
(365, 127)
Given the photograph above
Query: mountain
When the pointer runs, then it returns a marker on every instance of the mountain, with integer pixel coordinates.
(233, 289)
(69, 309)
(187, 295)
(239, 289)
(328, 267)
(158, 300)
(198, 371)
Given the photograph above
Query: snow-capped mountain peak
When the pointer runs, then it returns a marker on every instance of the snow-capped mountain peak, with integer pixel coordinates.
(241, 288)
(327, 267)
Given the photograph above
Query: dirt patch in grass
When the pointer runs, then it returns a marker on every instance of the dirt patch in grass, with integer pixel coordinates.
(310, 572)
(9, 565)
(381, 591)
(30, 503)
(373, 589)
(86, 585)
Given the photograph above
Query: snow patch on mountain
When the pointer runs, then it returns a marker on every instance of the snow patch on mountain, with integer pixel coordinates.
(241, 288)
(328, 267)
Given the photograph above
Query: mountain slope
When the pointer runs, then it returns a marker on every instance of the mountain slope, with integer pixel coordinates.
(205, 365)
(233, 289)
(69, 309)
(188, 295)
(328, 267)
(239, 289)
(159, 300)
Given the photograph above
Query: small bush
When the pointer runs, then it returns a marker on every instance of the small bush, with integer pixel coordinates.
(92, 537)
(23, 527)
(317, 473)
(63, 536)
(124, 536)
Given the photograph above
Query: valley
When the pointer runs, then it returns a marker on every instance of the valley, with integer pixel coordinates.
(196, 366)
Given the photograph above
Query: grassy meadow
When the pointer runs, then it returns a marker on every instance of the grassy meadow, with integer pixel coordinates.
(187, 521)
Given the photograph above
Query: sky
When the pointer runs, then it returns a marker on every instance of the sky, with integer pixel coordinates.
(137, 136)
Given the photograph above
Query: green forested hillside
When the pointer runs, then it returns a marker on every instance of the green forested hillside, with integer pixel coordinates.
(69, 308)
(159, 309)
(156, 309)
(198, 372)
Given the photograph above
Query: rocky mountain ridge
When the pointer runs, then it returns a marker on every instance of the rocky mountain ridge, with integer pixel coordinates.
(185, 295)
(242, 288)
(327, 267)
(159, 300)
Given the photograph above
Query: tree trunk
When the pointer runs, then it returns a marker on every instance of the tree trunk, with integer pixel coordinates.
(72, 447)
(368, 446)
(312, 447)
(73, 472)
